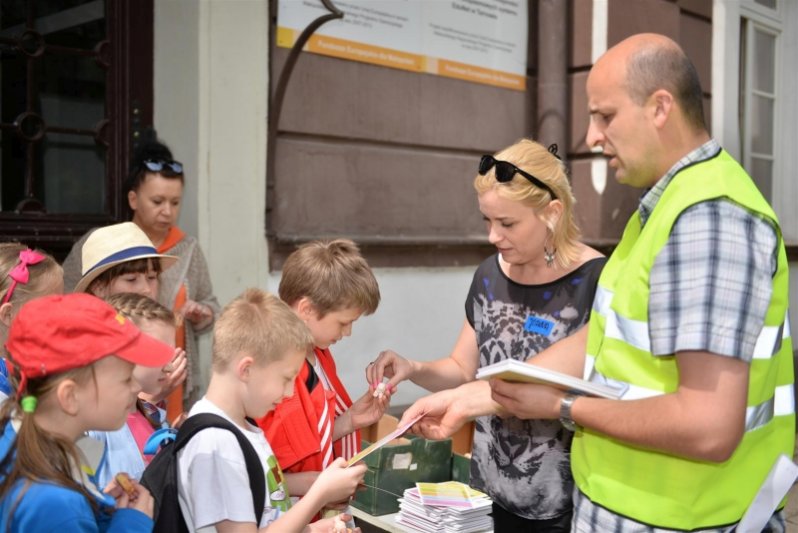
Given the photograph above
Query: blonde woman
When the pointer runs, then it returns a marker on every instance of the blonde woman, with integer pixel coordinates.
(535, 290)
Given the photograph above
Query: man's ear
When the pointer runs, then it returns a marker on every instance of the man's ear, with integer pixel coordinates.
(6, 314)
(663, 103)
(66, 392)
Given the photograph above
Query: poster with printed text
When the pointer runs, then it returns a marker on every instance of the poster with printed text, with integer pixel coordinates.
(482, 41)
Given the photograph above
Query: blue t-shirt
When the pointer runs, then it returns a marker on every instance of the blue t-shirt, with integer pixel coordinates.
(5, 385)
(47, 507)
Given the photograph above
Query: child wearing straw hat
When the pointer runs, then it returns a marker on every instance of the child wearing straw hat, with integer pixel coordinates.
(121, 258)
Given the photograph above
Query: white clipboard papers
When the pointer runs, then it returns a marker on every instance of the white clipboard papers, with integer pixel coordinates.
(512, 370)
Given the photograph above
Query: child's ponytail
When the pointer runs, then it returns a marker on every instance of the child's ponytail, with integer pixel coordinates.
(38, 454)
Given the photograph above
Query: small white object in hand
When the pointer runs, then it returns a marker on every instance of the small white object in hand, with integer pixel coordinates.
(379, 392)
(339, 526)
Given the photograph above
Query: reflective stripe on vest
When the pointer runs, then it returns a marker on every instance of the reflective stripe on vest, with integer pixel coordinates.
(657, 488)
(635, 332)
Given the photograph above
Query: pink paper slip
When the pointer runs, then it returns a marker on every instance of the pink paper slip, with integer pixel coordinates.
(398, 432)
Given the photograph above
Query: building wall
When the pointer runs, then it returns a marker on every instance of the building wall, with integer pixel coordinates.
(386, 157)
(596, 25)
(211, 86)
(211, 82)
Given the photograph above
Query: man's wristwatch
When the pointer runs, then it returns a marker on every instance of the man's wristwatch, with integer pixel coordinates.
(565, 412)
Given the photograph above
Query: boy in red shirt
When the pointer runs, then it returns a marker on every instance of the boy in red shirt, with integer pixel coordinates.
(328, 285)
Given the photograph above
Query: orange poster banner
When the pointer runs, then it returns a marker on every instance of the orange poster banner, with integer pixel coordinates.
(461, 71)
(386, 57)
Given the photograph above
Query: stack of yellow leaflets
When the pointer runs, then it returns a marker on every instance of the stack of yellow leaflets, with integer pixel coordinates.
(448, 507)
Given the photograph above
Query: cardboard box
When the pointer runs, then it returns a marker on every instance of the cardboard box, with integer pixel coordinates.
(399, 465)
(463, 439)
(461, 468)
(375, 432)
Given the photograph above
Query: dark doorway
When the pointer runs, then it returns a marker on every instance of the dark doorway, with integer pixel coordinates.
(75, 93)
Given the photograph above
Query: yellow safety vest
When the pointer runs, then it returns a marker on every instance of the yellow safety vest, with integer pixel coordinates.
(653, 487)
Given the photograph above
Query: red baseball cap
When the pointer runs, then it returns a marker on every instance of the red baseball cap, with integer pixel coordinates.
(57, 333)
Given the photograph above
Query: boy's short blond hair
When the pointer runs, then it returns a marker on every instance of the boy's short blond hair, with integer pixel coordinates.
(260, 325)
(332, 275)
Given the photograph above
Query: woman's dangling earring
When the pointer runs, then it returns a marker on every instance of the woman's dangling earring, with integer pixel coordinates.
(548, 255)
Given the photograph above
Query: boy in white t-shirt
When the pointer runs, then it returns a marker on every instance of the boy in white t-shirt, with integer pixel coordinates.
(259, 346)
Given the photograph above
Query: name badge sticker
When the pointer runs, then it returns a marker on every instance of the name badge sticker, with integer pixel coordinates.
(541, 326)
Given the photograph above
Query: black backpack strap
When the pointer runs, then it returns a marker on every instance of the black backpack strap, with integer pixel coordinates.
(257, 477)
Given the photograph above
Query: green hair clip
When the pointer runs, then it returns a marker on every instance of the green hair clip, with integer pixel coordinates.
(29, 404)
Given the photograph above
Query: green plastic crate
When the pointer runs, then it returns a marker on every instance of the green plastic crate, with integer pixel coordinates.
(394, 468)
(461, 468)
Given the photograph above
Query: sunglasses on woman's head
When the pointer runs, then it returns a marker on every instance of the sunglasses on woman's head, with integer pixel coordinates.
(167, 168)
(505, 172)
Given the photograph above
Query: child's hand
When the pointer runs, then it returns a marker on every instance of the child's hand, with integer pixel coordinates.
(172, 375)
(335, 524)
(337, 482)
(338, 506)
(369, 408)
(135, 496)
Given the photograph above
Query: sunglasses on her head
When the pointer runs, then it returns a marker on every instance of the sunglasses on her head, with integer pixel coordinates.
(167, 168)
(506, 170)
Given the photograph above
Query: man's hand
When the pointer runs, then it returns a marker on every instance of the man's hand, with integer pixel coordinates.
(441, 419)
(527, 400)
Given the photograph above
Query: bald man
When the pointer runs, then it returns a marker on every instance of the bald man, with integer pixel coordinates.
(690, 319)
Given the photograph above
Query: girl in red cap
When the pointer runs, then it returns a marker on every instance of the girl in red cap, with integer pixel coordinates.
(72, 358)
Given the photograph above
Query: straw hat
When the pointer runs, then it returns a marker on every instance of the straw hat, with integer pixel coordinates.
(109, 246)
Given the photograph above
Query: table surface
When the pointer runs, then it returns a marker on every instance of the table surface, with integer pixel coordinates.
(386, 522)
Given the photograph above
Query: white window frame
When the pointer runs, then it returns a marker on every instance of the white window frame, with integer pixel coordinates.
(783, 21)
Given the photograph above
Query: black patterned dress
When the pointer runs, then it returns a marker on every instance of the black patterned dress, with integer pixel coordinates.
(524, 465)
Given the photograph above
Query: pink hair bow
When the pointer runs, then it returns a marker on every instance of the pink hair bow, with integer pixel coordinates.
(20, 273)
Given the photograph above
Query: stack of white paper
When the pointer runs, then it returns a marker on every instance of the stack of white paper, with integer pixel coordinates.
(449, 507)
